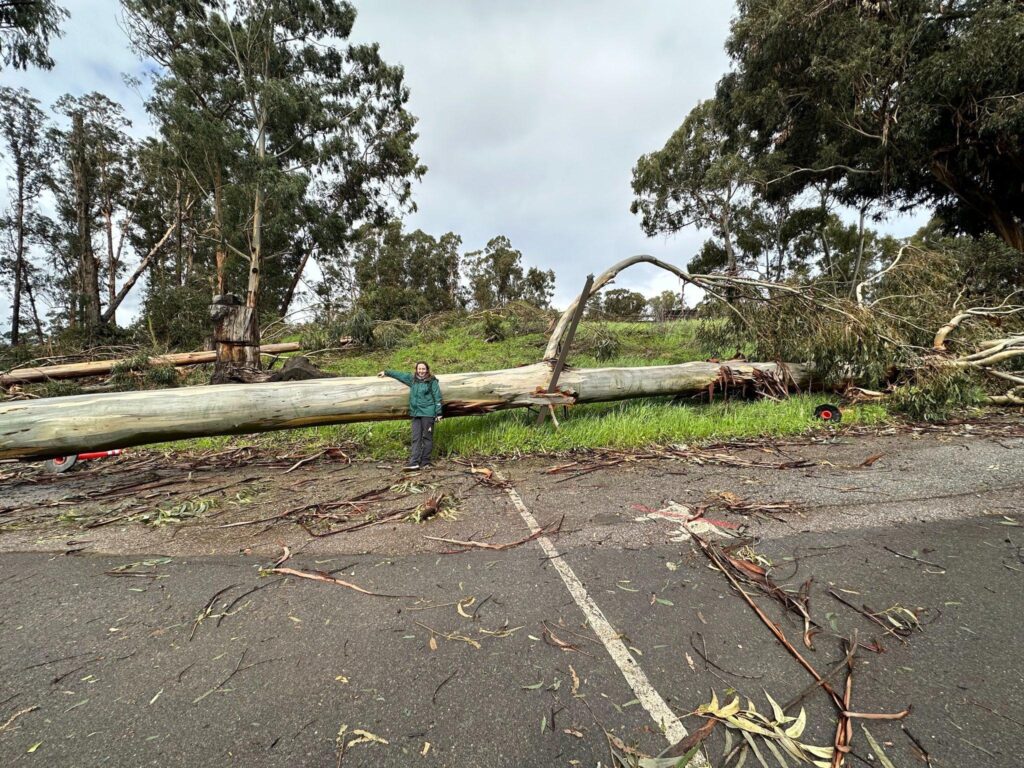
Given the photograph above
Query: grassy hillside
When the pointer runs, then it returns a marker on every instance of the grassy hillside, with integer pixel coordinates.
(630, 424)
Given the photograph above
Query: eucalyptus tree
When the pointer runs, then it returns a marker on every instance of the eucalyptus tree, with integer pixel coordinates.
(26, 27)
(665, 306)
(497, 277)
(624, 304)
(701, 178)
(94, 179)
(276, 115)
(23, 128)
(897, 103)
(405, 275)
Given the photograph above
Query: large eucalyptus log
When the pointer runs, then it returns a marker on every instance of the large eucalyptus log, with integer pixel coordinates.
(66, 425)
(103, 367)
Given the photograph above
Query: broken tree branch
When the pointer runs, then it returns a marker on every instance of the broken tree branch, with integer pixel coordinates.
(327, 578)
(545, 531)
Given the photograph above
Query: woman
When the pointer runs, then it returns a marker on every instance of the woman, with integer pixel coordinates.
(424, 410)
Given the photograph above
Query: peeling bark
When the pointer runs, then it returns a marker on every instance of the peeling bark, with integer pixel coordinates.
(66, 425)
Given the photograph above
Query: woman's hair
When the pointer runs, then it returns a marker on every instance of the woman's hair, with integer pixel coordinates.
(423, 363)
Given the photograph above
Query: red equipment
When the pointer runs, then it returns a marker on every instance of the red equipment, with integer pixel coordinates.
(62, 464)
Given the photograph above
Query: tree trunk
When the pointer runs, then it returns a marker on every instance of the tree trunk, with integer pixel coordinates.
(108, 220)
(104, 367)
(220, 252)
(289, 296)
(19, 258)
(88, 274)
(860, 254)
(32, 305)
(732, 268)
(236, 324)
(67, 425)
(117, 297)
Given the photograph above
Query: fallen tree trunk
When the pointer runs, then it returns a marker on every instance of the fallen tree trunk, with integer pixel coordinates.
(66, 425)
(104, 367)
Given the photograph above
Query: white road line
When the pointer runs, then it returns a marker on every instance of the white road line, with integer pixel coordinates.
(649, 698)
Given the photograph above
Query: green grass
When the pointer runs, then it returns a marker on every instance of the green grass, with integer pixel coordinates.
(461, 348)
(626, 425)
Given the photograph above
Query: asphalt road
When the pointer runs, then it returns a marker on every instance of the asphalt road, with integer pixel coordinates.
(105, 664)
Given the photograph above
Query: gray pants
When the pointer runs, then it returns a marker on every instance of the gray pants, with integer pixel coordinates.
(422, 439)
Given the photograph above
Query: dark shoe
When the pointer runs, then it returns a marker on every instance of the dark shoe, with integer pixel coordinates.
(410, 467)
(428, 465)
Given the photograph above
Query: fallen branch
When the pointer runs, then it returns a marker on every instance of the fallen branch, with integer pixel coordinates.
(104, 367)
(553, 528)
(16, 715)
(772, 626)
(328, 579)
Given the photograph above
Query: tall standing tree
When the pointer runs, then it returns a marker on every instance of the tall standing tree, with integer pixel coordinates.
(26, 27)
(23, 127)
(538, 287)
(95, 183)
(279, 108)
(75, 188)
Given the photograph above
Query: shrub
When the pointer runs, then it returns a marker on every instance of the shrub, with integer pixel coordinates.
(160, 377)
(493, 327)
(128, 373)
(391, 333)
(327, 335)
(597, 340)
(178, 317)
(360, 327)
(436, 327)
(61, 389)
(936, 392)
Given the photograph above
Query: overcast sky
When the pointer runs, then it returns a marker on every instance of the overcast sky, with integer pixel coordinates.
(531, 114)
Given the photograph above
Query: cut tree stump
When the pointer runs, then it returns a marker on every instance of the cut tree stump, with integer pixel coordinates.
(236, 334)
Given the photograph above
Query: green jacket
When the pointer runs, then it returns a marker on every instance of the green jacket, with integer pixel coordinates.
(424, 394)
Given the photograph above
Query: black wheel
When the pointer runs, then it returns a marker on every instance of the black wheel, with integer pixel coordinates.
(828, 412)
(61, 464)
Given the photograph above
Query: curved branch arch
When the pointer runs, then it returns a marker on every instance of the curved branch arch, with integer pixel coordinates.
(562, 327)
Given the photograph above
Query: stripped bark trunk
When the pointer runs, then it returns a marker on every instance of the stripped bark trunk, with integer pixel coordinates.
(66, 425)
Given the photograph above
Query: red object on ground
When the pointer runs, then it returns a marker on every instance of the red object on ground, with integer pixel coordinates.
(62, 464)
(99, 454)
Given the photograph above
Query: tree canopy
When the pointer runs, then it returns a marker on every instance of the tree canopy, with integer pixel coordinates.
(26, 27)
(899, 103)
(497, 277)
(291, 135)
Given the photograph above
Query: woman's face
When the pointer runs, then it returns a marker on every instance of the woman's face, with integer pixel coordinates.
(421, 370)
